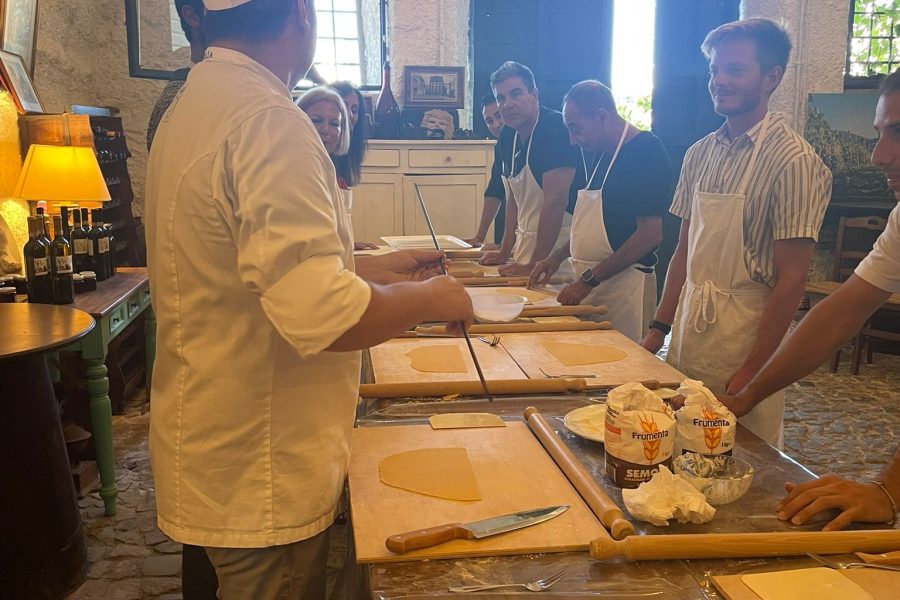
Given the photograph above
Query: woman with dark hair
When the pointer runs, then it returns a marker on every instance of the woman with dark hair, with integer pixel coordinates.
(349, 165)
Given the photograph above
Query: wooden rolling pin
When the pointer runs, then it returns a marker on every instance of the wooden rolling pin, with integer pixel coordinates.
(577, 310)
(465, 274)
(493, 281)
(436, 389)
(745, 545)
(606, 510)
(520, 327)
(469, 253)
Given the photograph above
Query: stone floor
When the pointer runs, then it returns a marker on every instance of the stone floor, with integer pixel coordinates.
(834, 423)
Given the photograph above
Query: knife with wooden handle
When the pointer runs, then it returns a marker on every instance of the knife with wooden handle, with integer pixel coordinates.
(432, 536)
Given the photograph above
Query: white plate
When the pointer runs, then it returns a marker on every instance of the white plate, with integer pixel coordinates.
(424, 242)
(588, 422)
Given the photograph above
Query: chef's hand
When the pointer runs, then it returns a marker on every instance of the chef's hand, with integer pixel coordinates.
(406, 265)
(861, 502)
(574, 293)
(543, 270)
(653, 341)
(449, 302)
(475, 241)
(490, 247)
(515, 269)
(739, 379)
(494, 258)
(739, 405)
(357, 246)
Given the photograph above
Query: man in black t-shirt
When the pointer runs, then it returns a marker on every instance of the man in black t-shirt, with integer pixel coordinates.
(625, 188)
(494, 194)
(539, 165)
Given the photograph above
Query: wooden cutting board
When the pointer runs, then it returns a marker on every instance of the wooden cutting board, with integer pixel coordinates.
(391, 364)
(638, 365)
(882, 585)
(514, 473)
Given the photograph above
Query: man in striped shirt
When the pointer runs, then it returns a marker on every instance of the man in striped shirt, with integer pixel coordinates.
(751, 197)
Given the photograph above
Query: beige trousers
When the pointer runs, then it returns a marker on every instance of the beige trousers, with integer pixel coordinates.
(290, 572)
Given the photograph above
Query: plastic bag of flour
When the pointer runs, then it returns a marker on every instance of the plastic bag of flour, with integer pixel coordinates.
(705, 425)
(640, 434)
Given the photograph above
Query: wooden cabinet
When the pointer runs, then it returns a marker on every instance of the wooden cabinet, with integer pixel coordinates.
(451, 175)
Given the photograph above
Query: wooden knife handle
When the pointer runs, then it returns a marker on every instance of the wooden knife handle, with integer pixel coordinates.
(425, 538)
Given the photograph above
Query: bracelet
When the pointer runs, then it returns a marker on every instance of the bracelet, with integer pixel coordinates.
(890, 498)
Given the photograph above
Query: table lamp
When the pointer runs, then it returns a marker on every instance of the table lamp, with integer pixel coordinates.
(61, 174)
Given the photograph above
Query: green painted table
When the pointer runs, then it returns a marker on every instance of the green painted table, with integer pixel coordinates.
(116, 302)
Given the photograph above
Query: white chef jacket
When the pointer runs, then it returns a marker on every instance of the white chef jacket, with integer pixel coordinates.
(251, 276)
(881, 267)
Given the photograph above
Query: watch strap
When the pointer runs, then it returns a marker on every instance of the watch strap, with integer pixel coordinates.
(663, 327)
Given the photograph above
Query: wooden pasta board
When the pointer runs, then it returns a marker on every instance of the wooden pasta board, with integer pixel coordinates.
(882, 585)
(514, 473)
(528, 351)
(391, 364)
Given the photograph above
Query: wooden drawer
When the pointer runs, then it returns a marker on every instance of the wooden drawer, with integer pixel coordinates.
(117, 319)
(145, 295)
(447, 158)
(134, 304)
(382, 157)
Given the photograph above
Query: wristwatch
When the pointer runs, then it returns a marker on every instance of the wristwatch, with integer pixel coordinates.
(654, 324)
(588, 277)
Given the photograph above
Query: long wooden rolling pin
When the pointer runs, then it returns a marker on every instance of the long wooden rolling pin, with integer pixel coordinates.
(521, 327)
(469, 253)
(606, 510)
(577, 310)
(492, 281)
(745, 545)
(432, 389)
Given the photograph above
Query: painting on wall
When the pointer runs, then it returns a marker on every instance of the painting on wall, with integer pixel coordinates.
(434, 87)
(839, 127)
(18, 29)
(15, 77)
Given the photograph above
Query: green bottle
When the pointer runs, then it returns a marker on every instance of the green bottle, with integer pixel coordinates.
(37, 264)
(61, 266)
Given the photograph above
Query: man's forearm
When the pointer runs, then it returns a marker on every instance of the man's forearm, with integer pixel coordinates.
(645, 239)
(774, 322)
(488, 212)
(824, 330)
(890, 476)
(510, 225)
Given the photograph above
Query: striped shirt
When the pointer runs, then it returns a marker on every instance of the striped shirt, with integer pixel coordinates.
(786, 195)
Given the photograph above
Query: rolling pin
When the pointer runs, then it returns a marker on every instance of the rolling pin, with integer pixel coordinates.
(465, 274)
(745, 545)
(563, 311)
(493, 281)
(470, 388)
(606, 510)
(521, 327)
(470, 253)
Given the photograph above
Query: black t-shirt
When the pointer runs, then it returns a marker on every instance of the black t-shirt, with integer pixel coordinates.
(495, 189)
(549, 150)
(639, 185)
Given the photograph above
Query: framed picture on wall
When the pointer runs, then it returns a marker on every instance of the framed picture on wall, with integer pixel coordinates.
(15, 77)
(18, 29)
(434, 87)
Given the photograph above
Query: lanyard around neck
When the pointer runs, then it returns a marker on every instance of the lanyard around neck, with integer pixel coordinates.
(512, 171)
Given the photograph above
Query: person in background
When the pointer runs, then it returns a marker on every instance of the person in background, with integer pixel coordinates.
(751, 198)
(618, 221)
(494, 195)
(349, 165)
(191, 14)
(328, 114)
(262, 309)
(825, 329)
(539, 165)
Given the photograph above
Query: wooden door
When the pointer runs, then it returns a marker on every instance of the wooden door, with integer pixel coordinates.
(377, 207)
(454, 204)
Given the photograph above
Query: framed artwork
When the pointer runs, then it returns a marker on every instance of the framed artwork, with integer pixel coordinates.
(18, 29)
(434, 87)
(16, 78)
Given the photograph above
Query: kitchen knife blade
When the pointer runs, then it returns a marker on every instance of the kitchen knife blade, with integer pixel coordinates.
(432, 536)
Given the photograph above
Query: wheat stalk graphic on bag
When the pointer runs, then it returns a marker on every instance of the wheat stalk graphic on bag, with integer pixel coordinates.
(711, 435)
(651, 447)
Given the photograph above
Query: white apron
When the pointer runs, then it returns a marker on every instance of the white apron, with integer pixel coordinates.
(721, 306)
(529, 198)
(623, 293)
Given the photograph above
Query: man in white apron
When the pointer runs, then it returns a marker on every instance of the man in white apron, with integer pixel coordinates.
(827, 327)
(614, 235)
(751, 197)
(538, 185)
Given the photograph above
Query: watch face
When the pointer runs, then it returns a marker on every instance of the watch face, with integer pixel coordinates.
(587, 275)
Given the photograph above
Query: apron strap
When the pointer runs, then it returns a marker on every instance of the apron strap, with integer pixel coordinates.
(748, 172)
(703, 309)
(596, 166)
(615, 155)
(512, 171)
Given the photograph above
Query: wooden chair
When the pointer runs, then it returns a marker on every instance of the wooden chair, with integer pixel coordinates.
(855, 238)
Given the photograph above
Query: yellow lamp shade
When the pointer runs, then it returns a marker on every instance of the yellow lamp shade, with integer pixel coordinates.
(69, 173)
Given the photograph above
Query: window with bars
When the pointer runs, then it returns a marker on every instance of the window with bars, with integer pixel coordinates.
(349, 41)
(873, 42)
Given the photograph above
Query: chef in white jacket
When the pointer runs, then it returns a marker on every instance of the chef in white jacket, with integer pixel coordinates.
(260, 313)
(625, 190)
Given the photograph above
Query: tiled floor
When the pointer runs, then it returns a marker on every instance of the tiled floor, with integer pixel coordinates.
(835, 423)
